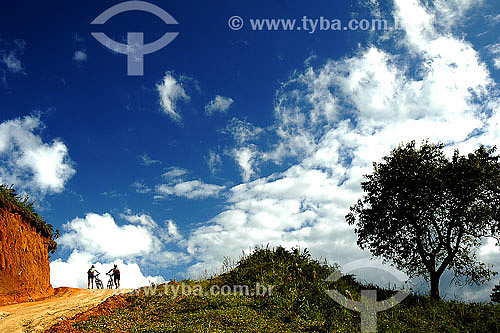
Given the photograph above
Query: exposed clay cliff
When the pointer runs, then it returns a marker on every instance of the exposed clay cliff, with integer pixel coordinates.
(24, 259)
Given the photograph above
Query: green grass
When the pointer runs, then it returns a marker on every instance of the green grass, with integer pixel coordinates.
(13, 202)
(298, 303)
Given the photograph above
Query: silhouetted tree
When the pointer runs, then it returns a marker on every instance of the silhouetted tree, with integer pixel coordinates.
(495, 296)
(426, 213)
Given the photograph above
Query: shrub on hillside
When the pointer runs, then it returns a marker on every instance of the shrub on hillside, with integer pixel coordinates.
(13, 202)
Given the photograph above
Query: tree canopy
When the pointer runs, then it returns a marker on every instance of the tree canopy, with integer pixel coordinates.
(426, 213)
(495, 295)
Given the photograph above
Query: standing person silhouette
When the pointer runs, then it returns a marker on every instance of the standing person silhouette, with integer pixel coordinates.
(91, 274)
(116, 276)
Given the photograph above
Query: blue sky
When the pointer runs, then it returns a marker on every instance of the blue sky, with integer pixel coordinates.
(230, 139)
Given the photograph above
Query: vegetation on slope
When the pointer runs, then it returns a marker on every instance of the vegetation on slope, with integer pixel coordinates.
(13, 202)
(298, 303)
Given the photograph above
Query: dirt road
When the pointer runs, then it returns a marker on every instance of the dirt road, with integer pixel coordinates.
(41, 315)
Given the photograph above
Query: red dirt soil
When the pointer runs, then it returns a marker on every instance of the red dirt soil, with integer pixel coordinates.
(24, 261)
(65, 304)
(114, 302)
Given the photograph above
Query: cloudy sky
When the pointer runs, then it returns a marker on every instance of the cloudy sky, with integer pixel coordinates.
(231, 138)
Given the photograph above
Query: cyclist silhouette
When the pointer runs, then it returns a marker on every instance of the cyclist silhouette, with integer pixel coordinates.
(116, 276)
(91, 273)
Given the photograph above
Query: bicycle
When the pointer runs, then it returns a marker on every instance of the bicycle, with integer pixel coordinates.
(110, 281)
(98, 282)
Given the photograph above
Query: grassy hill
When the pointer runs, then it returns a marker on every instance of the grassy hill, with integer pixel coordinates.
(297, 303)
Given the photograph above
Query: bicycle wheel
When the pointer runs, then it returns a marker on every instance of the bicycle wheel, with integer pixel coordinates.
(99, 285)
(110, 284)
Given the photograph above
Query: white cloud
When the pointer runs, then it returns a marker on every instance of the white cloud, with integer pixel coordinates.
(309, 60)
(246, 153)
(214, 162)
(100, 236)
(496, 63)
(173, 231)
(171, 91)
(335, 120)
(28, 162)
(77, 38)
(73, 272)
(174, 172)
(98, 239)
(494, 50)
(451, 12)
(169, 233)
(140, 219)
(193, 189)
(141, 188)
(489, 248)
(148, 161)
(218, 104)
(242, 131)
(245, 157)
(12, 63)
(80, 56)
(11, 58)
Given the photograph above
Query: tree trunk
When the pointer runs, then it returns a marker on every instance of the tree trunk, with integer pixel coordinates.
(435, 286)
